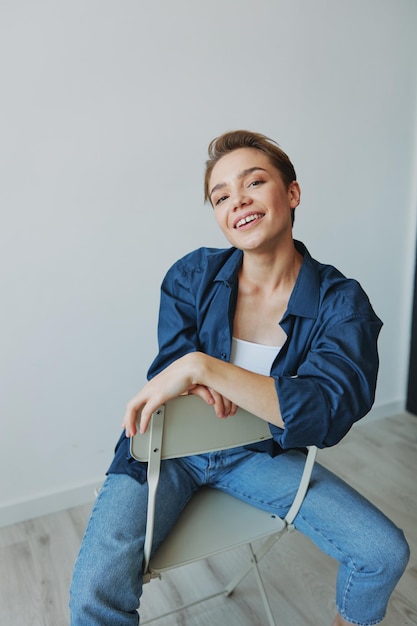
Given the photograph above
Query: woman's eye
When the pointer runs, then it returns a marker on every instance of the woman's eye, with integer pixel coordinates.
(220, 200)
(255, 183)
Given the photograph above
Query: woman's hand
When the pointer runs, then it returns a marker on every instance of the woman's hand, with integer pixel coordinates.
(222, 406)
(170, 383)
(177, 379)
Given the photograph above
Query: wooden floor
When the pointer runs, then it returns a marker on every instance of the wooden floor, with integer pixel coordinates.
(378, 458)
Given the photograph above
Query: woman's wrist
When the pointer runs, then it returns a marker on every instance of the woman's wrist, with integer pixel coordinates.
(195, 363)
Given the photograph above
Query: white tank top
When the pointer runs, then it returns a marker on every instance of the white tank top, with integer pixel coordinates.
(253, 356)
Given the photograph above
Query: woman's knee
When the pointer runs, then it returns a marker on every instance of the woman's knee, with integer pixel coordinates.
(398, 554)
(386, 554)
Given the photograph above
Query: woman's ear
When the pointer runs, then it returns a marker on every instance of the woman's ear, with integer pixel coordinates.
(294, 194)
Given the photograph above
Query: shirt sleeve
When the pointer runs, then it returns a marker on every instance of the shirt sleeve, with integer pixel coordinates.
(177, 330)
(334, 386)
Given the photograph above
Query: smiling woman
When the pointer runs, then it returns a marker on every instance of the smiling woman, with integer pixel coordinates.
(307, 364)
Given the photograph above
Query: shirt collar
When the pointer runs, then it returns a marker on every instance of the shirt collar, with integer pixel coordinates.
(229, 271)
(304, 300)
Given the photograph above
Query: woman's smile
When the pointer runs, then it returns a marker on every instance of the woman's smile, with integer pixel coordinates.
(248, 220)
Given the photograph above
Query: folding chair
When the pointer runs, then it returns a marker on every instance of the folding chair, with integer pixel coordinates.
(212, 522)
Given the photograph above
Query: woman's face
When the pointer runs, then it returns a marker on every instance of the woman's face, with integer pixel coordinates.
(252, 205)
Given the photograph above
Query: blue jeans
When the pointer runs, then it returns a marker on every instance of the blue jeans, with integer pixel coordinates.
(371, 550)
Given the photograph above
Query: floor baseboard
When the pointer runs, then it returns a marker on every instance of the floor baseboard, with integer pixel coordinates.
(23, 510)
(385, 410)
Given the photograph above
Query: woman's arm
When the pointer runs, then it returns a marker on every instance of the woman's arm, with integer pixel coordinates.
(211, 379)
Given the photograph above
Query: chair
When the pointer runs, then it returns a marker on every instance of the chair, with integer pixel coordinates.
(213, 521)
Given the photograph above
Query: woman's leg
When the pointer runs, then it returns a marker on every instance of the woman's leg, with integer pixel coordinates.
(107, 579)
(371, 550)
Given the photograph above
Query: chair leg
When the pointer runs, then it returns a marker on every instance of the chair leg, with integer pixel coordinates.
(242, 573)
(183, 607)
(262, 591)
(253, 566)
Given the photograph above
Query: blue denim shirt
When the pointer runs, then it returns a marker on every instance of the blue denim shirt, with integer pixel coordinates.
(325, 374)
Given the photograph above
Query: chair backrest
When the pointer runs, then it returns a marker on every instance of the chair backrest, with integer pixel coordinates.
(182, 427)
(191, 427)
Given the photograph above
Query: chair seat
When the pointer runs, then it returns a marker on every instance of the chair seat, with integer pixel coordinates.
(212, 522)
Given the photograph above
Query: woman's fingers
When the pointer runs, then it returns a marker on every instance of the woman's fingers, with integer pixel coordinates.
(202, 392)
(170, 383)
(129, 418)
(139, 410)
(223, 407)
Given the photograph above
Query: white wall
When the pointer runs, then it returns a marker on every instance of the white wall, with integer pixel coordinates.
(106, 112)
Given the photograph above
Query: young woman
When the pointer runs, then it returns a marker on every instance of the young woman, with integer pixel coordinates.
(263, 326)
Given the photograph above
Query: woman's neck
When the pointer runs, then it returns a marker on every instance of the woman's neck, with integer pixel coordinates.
(273, 271)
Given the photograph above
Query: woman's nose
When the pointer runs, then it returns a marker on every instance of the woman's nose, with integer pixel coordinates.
(240, 199)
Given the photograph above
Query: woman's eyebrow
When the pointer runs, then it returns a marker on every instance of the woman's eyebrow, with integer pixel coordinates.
(241, 174)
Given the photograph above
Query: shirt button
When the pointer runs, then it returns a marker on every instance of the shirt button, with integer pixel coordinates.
(224, 355)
